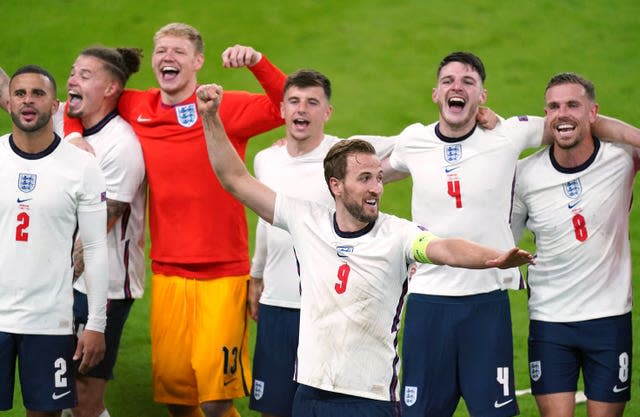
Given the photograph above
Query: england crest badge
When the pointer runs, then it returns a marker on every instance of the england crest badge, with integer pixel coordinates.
(573, 188)
(187, 115)
(258, 389)
(535, 370)
(452, 153)
(410, 395)
(26, 182)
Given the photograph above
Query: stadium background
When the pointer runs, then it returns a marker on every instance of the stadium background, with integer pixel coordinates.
(381, 58)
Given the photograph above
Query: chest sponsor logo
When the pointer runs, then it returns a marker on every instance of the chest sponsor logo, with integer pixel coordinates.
(410, 395)
(187, 115)
(535, 370)
(27, 182)
(344, 250)
(573, 189)
(142, 119)
(452, 153)
(258, 389)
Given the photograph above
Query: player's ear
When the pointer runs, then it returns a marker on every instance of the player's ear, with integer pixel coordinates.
(483, 96)
(335, 185)
(199, 61)
(112, 88)
(328, 113)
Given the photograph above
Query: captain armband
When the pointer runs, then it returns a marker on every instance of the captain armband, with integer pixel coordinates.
(419, 247)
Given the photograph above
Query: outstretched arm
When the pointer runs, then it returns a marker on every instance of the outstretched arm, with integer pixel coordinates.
(226, 163)
(463, 253)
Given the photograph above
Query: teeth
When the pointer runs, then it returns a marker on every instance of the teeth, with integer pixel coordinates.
(456, 101)
(169, 69)
(564, 127)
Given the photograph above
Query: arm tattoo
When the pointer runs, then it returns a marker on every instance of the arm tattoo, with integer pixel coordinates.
(115, 210)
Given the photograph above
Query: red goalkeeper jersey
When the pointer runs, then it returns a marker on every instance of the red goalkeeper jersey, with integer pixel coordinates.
(197, 229)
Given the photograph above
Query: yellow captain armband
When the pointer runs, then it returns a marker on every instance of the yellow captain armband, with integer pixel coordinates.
(419, 247)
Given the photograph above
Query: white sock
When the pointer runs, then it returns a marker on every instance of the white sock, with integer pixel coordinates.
(105, 413)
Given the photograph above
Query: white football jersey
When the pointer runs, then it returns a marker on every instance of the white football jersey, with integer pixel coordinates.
(463, 188)
(301, 177)
(284, 174)
(580, 219)
(119, 155)
(353, 287)
(41, 197)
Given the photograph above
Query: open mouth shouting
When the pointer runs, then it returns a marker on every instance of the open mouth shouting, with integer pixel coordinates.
(169, 72)
(456, 104)
(74, 100)
(301, 123)
(564, 128)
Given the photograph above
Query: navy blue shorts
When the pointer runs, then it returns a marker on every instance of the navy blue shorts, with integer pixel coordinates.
(274, 360)
(313, 402)
(117, 313)
(46, 371)
(458, 346)
(600, 347)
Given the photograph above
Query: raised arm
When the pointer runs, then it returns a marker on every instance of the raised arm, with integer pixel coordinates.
(226, 163)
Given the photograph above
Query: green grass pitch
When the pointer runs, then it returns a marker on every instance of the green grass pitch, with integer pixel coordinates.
(381, 57)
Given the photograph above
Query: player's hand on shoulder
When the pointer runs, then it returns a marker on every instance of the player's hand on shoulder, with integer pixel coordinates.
(279, 143)
(90, 350)
(238, 56)
(80, 142)
(209, 98)
(511, 259)
(487, 118)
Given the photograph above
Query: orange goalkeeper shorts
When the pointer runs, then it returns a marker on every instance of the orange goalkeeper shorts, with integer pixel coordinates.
(199, 339)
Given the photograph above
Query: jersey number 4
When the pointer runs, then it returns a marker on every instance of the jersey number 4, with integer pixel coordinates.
(453, 189)
(21, 228)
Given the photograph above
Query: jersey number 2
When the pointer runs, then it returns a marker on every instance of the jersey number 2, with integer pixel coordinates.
(21, 228)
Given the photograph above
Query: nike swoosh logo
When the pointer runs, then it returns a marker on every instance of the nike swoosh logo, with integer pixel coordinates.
(141, 119)
(616, 389)
(573, 204)
(55, 396)
(225, 383)
(20, 200)
(499, 405)
(449, 169)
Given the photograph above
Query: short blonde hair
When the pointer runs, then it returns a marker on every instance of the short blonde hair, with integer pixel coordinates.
(182, 30)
